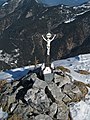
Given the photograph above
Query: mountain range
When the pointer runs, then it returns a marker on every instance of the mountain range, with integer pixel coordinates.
(22, 23)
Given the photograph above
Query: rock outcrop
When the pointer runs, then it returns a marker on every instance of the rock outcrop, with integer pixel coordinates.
(34, 99)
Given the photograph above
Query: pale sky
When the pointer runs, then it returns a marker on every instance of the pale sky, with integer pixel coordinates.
(68, 2)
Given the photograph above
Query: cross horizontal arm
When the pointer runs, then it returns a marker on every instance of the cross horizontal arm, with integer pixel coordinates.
(53, 37)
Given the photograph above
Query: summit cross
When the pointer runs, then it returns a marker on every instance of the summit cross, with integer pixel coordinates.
(48, 40)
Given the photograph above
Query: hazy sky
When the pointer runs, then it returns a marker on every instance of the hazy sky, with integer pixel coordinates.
(68, 2)
(56, 2)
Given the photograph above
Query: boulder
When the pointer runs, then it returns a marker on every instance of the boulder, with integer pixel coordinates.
(53, 109)
(43, 117)
(61, 80)
(35, 99)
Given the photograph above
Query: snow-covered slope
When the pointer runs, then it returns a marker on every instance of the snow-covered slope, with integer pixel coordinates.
(81, 110)
(74, 64)
(15, 74)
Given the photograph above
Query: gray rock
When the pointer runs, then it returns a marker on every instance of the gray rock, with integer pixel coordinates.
(75, 89)
(40, 84)
(12, 107)
(4, 101)
(63, 112)
(67, 88)
(34, 76)
(53, 109)
(24, 111)
(72, 92)
(57, 78)
(66, 99)
(11, 99)
(39, 99)
(42, 101)
(43, 117)
(62, 80)
(48, 77)
(56, 92)
(31, 94)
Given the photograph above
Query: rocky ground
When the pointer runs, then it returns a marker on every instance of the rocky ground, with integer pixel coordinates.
(34, 99)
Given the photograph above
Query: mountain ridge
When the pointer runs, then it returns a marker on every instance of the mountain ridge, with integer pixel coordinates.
(22, 26)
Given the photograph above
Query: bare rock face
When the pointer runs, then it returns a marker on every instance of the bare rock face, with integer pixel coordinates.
(34, 99)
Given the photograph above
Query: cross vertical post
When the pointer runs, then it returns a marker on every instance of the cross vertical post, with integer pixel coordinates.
(47, 68)
(48, 40)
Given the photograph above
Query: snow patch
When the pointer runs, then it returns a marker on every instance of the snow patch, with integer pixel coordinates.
(81, 110)
(82, 13)
(81, 62)
(17, 50)
(1, 51)
(70, 20)
(37, 1)
(3, 115)
(6, 3)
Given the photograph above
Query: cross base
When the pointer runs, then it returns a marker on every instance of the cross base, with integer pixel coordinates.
(48, 72)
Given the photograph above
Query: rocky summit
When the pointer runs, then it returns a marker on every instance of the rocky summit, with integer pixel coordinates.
(22, 23)
(34, 99)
